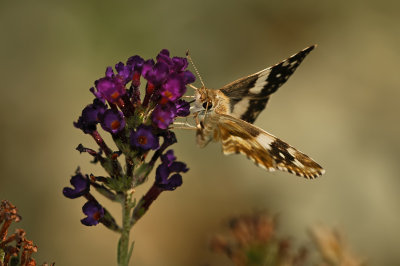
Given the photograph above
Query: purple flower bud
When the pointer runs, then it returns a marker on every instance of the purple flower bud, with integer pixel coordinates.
(163, 56)
(164, 115)
(188, 77)
(112, 121)
(81, 186)
(136, 65)
(136, 62)
(180, 64)
(110, 89)
(144, 138)
(90, 116)
(109, 72)
(124, 72)
(94, 212)
(168, 157)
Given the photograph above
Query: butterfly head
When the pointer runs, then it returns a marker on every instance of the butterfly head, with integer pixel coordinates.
(205, 101)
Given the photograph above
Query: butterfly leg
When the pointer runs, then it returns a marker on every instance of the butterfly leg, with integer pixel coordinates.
(189, 96)
(184, 125)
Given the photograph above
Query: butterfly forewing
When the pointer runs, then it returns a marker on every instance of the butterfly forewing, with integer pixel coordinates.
(249, 95)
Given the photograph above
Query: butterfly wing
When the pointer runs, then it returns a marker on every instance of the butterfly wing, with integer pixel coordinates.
(248, 96)
(264, 149)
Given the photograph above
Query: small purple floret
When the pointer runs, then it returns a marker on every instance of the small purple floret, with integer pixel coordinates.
(90, 116)
(144, 138)
(94, 212)
(124, 72)
(166, 168)
(112, 121)
(173, 88)
(135, 62)
(164, 115)
(110, 89)
(81, 187)
(155, 73)
(182, 108)
(168, 157)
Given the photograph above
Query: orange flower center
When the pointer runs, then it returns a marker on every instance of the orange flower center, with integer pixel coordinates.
(97, 216)
(142, 140)
(168, 94)
(115, 95)
(115, 124)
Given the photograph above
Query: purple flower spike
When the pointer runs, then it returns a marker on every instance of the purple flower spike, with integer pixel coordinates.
(110, 89)
(94, 212)
(164, 115)
(81, 187)
(168, 167)
(90, 116)
(112, 121)
(182, 108)
(144, 138)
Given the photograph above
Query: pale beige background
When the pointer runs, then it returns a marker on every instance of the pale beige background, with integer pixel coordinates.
(341, 107)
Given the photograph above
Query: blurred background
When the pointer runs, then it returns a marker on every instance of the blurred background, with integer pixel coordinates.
(341, 108)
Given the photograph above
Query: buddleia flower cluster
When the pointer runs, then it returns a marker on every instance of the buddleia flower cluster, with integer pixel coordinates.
(140, 129)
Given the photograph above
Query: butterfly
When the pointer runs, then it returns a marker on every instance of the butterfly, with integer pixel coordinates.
(227, 114)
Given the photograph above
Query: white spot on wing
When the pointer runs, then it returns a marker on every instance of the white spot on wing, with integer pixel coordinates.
(241, 107)
(261, 81)
(265, 140)
(298, 163)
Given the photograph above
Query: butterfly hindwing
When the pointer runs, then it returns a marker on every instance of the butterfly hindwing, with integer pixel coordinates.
(263, 148)
(248, 96)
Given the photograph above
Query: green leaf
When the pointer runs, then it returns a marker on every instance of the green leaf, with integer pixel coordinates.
(108, 221)
(141, 173)
(119, 251)
(130, 251)
(105, 192)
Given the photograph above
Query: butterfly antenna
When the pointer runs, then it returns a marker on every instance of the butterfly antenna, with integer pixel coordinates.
(195, 68)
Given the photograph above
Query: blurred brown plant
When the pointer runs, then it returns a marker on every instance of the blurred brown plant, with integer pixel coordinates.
(253, 240)
(333, 248)
(21, 251)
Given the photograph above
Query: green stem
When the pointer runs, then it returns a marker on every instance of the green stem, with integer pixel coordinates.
(123, 244)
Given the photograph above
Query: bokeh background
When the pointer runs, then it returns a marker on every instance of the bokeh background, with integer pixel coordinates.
(341, 107)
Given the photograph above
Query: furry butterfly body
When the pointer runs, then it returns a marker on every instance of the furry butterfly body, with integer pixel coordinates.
(227, 114)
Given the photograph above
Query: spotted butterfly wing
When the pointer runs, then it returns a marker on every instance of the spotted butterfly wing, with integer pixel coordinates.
(248, 96)
(226, 115)
(267, 151)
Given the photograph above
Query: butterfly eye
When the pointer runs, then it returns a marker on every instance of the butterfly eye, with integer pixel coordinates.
(209, 105)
